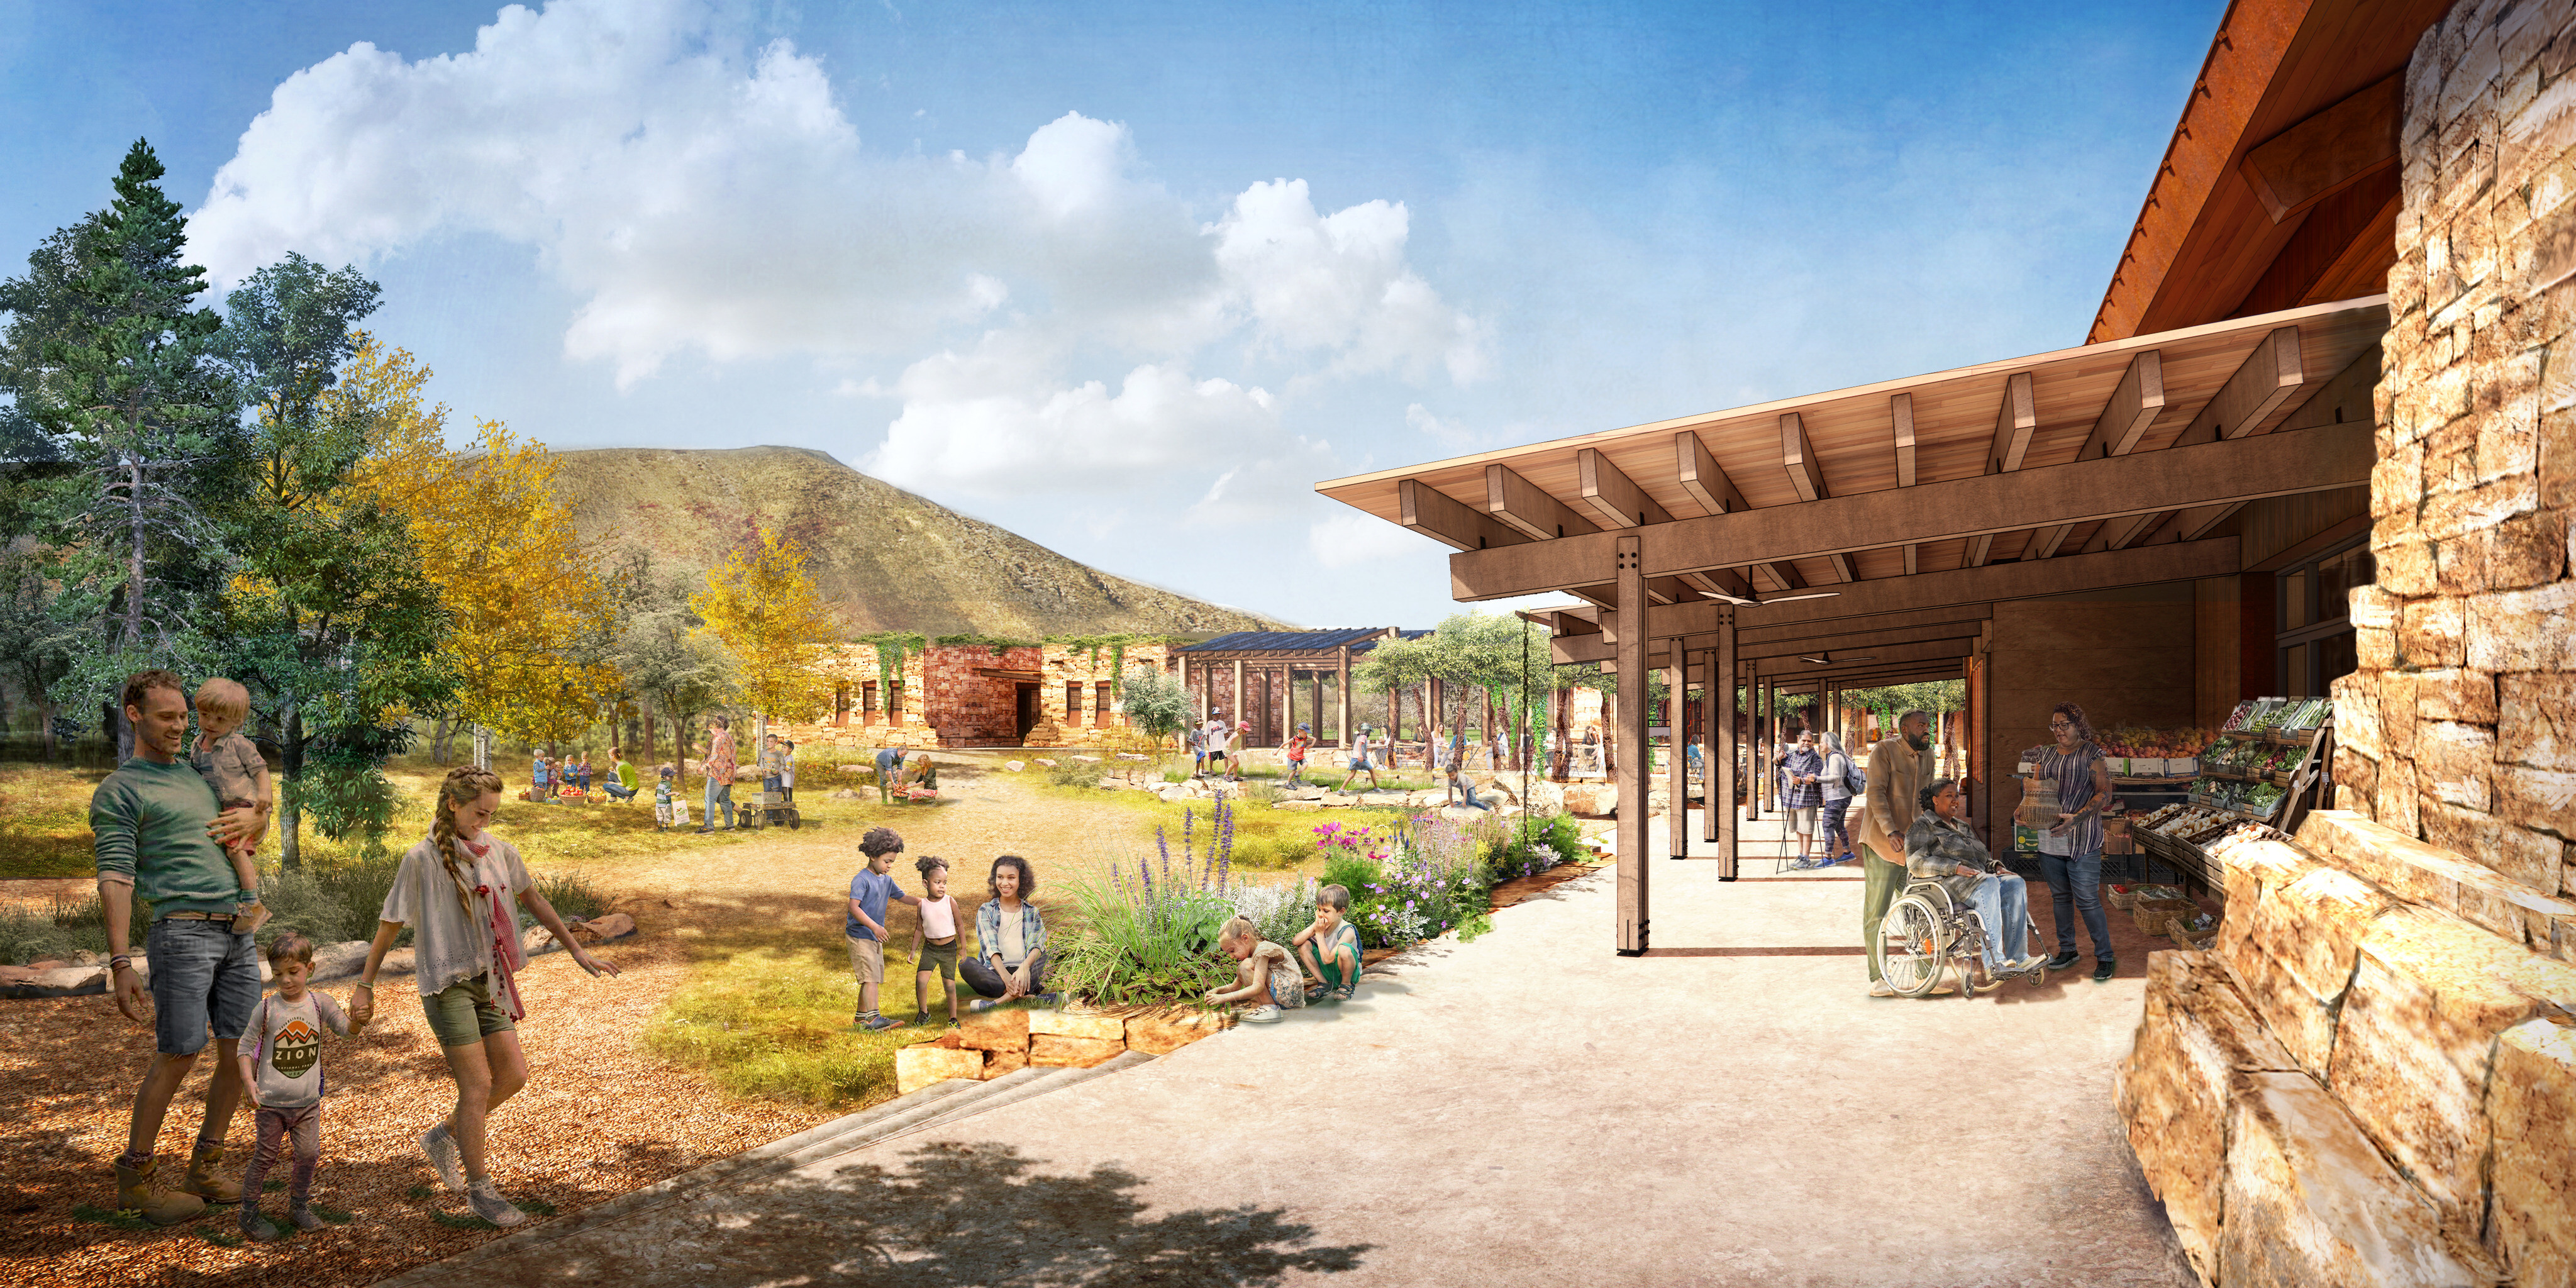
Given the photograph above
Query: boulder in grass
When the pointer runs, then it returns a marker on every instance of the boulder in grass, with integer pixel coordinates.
(845, 794)
(1046, 762)
(340, 960)
(67, 981)
(858, 769)
(1015, 766)
(1049, 1050)
(600, 930)
(916, 1067)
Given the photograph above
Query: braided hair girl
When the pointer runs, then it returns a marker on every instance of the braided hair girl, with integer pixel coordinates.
(454, 889)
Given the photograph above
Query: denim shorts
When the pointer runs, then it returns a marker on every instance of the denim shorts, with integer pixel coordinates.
(202, 974)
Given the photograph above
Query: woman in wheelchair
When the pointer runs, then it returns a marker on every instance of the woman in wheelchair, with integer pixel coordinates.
(1940, 849)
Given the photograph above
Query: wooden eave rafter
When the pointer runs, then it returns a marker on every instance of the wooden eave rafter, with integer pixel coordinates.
(1745, 467)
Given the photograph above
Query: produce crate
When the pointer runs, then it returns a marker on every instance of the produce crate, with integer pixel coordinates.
(2152, 914)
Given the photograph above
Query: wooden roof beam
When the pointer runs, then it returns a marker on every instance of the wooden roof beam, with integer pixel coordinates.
(2015, 421)
(1798, 457)
(1775, 659)
(1883, 597)
(2309, 460)
(1702, 478)
(1529, 507)
(2328, 152)
(2265, 380)
(1443, 518)
(2045, 541)
(1900, 416)
(2133, 407)
(1610, 494)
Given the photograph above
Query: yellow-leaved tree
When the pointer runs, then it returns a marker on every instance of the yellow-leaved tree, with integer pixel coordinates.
(763, 608)
(533, 612)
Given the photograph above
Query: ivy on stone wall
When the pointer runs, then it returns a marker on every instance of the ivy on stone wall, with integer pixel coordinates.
(893, 647)
(1116, 645)
(972, 640)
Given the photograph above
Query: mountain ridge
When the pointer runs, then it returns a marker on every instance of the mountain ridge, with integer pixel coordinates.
(883, 558)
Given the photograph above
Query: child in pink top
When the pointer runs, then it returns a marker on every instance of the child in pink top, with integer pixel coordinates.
(934, 940)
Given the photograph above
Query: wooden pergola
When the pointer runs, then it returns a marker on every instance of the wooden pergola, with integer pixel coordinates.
(1885, 520)
(1268, 666)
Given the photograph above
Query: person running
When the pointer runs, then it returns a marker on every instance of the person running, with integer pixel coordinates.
(1361, 763)
(454, 889)
(1296, 749)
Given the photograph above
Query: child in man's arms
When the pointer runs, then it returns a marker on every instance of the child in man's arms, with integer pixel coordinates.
(239, 777)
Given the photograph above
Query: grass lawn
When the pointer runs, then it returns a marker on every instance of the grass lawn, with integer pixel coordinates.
(766, 1006)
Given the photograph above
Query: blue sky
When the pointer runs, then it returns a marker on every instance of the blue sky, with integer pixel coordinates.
(1128, 279)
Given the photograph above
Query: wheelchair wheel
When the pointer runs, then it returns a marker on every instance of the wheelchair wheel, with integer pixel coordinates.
(1909, 948)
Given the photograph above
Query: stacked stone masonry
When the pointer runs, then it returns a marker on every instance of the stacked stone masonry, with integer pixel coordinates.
(2371, 1077)
(949, 698)
(988, 1044)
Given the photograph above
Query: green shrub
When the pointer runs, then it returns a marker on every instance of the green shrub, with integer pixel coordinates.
(1069, 772)
(1272, 852)
(30, 937)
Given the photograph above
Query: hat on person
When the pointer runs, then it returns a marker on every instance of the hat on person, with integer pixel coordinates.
(1305, 728)
(1244, 726)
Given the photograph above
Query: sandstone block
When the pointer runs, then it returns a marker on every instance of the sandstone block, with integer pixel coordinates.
(2414, 1045)
(2523, 630)
(2315, 925)
(2357, 724)
(1077, 1024)
(2532, 1104)
(2307, 1201)
(2456, 694)
(2196, 1035)
(2356, 779)
(2455, 763)
(2536, 723)
(1593, 799)
(997, 1063)
(2428, 634)
(2304, 1026)
(916, 1067)
(997, 1030)
(1163, 1032)
(2250, 869)
(2503, 845)
(1057, 1051)
(2427, 874)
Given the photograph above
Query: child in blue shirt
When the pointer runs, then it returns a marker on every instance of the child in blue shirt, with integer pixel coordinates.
(870, 891)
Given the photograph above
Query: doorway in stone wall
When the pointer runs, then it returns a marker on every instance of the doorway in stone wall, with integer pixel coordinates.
(1028, 715)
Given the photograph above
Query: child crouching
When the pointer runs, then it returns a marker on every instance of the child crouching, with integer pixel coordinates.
(1265, 976)
(283, 1075)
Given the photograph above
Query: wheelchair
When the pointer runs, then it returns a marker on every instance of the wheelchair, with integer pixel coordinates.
(1925, 932)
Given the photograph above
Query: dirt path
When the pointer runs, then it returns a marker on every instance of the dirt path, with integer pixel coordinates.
(598, 1119)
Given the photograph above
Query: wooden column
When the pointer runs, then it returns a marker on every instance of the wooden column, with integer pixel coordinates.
(1237, 718)
(1719, 712)
(1677, 761)
(1342, 693)
(1394, 721)
(1634, 713)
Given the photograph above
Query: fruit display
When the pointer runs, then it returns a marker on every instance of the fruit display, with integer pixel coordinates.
(2191, 819)
(2154, 744)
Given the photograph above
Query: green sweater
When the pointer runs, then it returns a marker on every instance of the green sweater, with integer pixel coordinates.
(150, 823)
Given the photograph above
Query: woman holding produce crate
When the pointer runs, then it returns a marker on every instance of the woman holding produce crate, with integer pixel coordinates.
(2070, 851)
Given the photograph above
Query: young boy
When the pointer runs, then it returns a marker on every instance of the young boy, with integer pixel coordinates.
(934, 941)
(772, 764)
(540, 779)
(662, 800)
(1265, 976)
(1297, 746)
(1329, 948)
(282, 1075)
(787, 769)
(870, 891)
(233, 768)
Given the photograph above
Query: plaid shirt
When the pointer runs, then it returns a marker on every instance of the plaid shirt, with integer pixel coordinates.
(988, 929)
(1802, 761)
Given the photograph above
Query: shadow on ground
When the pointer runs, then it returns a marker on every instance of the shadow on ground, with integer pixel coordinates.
(953, 1215)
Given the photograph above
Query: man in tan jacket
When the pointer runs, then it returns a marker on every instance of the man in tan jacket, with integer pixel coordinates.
(1898, 768)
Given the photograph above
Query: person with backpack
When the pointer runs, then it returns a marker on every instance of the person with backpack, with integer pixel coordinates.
(1842, 781)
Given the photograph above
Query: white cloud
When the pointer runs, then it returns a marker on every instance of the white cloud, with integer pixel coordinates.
(699, 195)
(1447, 433)
(1349, 538)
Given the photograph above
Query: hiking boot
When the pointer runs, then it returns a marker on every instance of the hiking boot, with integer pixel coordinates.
(201, 1179)
(249, 917)
(303, 1217)
(440, 1145)
(256, 1228)
(489, 1205)
(139, 1189)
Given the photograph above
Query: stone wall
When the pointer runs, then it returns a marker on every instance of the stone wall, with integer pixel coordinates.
(947, 703)
(2460, 726)
(2371, 1078)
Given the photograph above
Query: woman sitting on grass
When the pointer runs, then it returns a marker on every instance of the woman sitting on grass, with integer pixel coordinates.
(454, 890)
(1265, 976)
(1010, 938)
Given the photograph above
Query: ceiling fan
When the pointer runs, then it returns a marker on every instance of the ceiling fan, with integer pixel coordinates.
(1827, 659)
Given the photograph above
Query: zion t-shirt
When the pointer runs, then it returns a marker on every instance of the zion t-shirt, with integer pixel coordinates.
(287, 1066)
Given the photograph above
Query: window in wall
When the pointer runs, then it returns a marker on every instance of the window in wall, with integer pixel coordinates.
(868, 698)
(2315, 640)
(840, 704)
(1072, 701)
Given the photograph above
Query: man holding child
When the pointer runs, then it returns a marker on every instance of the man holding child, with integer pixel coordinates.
(160, 836)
